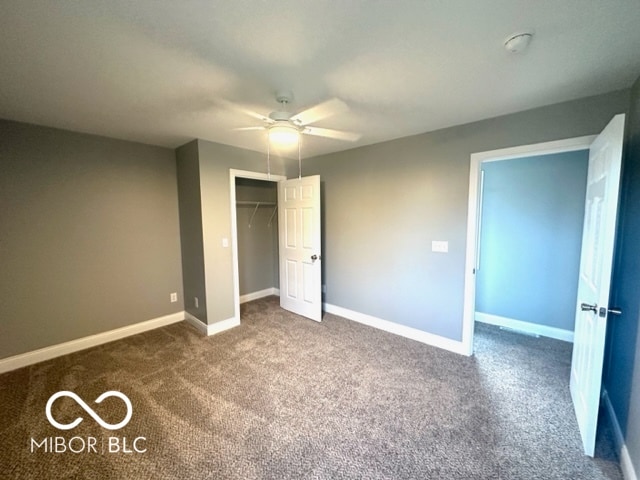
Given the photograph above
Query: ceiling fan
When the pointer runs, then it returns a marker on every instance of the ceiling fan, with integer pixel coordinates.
(285, 127)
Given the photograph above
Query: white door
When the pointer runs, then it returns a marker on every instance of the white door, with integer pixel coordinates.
(299, 242)
(603, 181)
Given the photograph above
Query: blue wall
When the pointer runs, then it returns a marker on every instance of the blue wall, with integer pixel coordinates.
(622, 367)
(533, 210)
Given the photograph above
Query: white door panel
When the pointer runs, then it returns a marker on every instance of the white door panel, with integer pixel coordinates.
(601, 205)
(300, 267)
(290, 228)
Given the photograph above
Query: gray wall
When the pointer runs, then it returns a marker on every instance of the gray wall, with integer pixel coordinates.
(188, 170)
(532, 216)
(89, 236)
(385, 203)
(258, 244)
(215, 162)
(622, 368)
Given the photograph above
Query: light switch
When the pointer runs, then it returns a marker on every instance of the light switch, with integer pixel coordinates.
(225, 242)
(440, 246)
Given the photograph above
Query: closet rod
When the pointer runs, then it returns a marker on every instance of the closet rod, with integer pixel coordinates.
(253, 202)
(257, 205)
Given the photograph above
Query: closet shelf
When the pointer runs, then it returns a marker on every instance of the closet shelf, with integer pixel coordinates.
(256, 205)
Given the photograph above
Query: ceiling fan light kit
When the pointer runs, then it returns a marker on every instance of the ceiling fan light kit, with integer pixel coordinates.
(285, 129)
(283, 134)
(518, 42)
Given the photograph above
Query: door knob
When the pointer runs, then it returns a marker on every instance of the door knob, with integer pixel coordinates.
(314, 257)
(585, 307)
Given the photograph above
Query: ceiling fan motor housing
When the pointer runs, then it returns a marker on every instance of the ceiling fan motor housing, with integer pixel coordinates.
(280, 116)
(285, 127)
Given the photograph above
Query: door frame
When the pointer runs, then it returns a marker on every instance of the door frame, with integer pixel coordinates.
(233, 174)
(473, 215)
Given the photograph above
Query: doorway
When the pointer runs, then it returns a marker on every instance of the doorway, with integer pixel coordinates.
(254, 235)
(473, 257)
(299, 242)
(530, 223)
(596, 262)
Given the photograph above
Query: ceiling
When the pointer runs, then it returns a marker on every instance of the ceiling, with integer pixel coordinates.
(158, 71)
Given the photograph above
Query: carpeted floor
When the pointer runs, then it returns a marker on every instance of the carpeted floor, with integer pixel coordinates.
(281, 397)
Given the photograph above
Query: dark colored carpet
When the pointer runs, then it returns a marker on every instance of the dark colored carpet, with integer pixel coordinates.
(283, 397)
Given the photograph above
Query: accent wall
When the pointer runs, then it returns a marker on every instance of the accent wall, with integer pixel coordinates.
(622, 361)
(531, 236)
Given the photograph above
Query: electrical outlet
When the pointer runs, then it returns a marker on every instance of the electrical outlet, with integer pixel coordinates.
(196, 303)
(440, 246)
(174, 297)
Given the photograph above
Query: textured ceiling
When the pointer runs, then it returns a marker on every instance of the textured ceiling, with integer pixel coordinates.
(155, 71)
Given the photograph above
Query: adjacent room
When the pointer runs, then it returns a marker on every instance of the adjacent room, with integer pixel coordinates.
(303, 239)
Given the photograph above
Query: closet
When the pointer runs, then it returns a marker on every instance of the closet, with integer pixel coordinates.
(257, 237)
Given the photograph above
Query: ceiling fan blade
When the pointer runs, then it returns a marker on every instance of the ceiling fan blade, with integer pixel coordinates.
(246, 129)
(320, 111)
(330, 133)
(239, 108)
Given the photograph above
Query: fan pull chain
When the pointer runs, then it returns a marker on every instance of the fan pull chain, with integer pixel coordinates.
(268, 155)
(299, 159)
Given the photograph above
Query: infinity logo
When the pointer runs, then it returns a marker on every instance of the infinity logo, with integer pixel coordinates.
(89, 410)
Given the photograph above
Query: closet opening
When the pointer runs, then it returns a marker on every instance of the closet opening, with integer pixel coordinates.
(254, 205)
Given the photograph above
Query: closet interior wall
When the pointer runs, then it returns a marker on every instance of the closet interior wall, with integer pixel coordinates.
(257, 235)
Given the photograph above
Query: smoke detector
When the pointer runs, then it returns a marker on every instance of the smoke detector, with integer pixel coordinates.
(518, 42)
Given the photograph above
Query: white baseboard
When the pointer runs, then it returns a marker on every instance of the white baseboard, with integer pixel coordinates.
(223, 325)
(396, 328)
(212, 329)
(628, 471)
(259, 294)
(47, 353)
(525, 327)
(196, 323)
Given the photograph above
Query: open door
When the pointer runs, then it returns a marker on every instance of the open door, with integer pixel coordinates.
(601, 206)
(299, 242)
